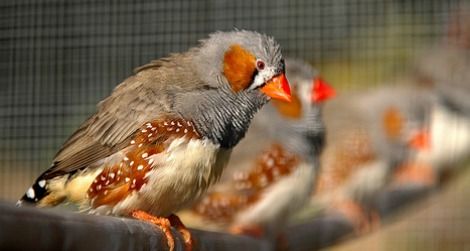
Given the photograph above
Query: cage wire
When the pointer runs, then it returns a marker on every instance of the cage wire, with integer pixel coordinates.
(60, 58)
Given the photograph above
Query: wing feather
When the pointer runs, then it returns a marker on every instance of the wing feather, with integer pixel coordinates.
(140, 98)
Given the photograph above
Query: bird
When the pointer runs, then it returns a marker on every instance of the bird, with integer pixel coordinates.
(277, 178)
(444, 70)
(376, 132)
(165, 134)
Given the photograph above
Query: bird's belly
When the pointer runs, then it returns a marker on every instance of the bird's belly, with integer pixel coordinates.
(181, 174)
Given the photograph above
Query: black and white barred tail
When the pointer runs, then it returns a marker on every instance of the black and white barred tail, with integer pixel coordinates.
(34, 193)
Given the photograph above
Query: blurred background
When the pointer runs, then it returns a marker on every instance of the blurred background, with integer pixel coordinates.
(58, 59)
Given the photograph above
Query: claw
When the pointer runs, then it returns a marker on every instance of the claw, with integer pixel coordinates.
(250, 230)
(160, 222)
(415, 173)
(184, 231)
(363, 220)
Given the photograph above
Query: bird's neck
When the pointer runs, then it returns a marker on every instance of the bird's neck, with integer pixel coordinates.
(224, 116)
(303, 136)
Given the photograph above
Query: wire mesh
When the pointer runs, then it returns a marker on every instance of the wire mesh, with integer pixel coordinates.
(58, 59)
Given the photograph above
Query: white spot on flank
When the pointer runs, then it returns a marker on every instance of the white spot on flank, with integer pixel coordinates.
(165, 123)
(150, 161)
(145, 155)
(140, 167)
(140, 145)
(132, 142)
(105, 192)
(30, 193)
(189, 123)
(98, 187)
(102, 178)
(153, 129)
(132, 163)
(177, 129)
(119, 172)
(185, 130)
(169, 128)
(270, 162)
(126, 158)
(144, 130)
(111, 175)
(42, 183)
(276, 173)
(127, 179)
(95, 181)
(172, 123)
(150, 135)
(179, 124)
(149, 125)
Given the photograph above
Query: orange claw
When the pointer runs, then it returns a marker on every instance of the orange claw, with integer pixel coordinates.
(160, 222)
(363, 221)
(250, 230)
(184, 231)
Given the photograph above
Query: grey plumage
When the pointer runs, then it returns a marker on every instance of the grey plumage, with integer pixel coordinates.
(189, 85)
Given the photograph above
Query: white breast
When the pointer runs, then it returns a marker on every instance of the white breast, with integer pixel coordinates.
(182, 172)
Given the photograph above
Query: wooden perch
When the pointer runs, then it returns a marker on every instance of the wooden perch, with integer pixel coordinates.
(46, 229)
(29, 228)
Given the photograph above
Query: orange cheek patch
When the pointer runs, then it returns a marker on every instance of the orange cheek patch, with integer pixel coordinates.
(291, 109)
(393, 123)
(239, 67)
(116, 182)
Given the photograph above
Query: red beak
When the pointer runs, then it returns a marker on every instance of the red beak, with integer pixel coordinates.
(420, 140)
(278, 88)
(321, 91)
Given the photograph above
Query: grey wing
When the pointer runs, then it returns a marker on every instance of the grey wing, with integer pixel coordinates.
(110, 129)
(146, 96)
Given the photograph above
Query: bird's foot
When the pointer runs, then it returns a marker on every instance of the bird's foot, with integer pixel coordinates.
(161, 222)
(250, 230)
(415, 173)
(184, 231)
(363, 220)
(282, 242)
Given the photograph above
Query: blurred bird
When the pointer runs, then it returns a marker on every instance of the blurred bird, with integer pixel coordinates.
(445, 70)
(166, 133)
(279, 181)
(375, 132)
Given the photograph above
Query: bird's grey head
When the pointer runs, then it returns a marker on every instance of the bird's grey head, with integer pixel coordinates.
(298, 125)
(398, 121)
(240, 70)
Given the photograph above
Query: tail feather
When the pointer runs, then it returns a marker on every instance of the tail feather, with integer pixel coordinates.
(34, 193)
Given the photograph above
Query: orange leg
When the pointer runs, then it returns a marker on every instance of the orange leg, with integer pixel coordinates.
(161, 222)
(363, 220)
(250, 230)
(282, 242)
(416, 173)
(187, 237)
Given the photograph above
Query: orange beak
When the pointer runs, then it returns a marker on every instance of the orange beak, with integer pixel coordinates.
(321, 91)
(278, 88)
(420, 140)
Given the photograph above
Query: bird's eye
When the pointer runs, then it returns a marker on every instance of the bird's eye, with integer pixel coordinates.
(259, 65)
